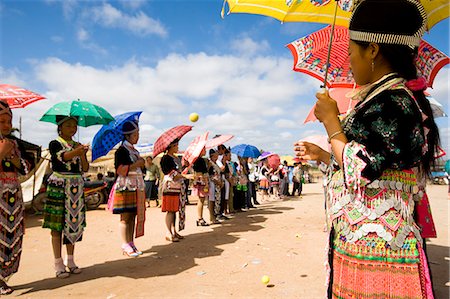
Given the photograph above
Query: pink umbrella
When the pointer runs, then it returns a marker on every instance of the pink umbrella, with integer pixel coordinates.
(310, 56)
(17, 97)
(343, 98)
(319, 140)
(216, 141)
(194, 150)
(274, 161)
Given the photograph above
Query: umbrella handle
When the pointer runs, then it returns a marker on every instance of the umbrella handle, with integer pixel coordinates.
(329, 46)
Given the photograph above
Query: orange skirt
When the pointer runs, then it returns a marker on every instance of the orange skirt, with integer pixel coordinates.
(170, 202)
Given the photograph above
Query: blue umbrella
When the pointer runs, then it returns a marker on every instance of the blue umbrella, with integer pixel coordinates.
(246, 151)
(111, 134)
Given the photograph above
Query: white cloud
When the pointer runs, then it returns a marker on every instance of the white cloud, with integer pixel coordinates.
(286, 135)
(238, 95)
(286, 123)
(11, 76)
(133, 4)
(249, 47)
(140, 24)
(82, 35)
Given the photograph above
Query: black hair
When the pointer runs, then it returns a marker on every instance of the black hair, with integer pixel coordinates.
(401, 60)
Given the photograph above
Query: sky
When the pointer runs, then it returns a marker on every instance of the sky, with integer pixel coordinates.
(168, 59)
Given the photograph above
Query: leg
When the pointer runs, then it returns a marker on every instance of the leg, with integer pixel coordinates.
(200, 202)
(70, 263)
(212, 217)
(170, 224)
(60, 268)
(126, 228)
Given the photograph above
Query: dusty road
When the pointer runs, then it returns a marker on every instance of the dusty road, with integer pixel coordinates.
(284, 240)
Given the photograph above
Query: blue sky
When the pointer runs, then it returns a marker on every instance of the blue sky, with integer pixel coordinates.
(169, 58)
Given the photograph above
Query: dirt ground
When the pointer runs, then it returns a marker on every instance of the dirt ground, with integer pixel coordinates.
(284, 240)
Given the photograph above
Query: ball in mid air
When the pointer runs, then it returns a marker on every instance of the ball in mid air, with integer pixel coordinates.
(193, 117)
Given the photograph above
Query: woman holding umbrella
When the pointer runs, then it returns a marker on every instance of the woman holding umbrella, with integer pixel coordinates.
(128, 197)
(171, 189)
(13, 161)
(64, 210)
(376, 249)
(201, 185)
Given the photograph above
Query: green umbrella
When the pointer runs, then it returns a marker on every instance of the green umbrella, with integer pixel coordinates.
(87, 113)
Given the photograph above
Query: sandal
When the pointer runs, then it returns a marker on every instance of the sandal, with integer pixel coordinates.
(5, 289)
(173, 239)
(62, 274)
(129, 251)
(202, 222)
(74, 270)
(177, 235)
(135, 249)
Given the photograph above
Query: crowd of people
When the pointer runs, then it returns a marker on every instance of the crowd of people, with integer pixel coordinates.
(376, 202)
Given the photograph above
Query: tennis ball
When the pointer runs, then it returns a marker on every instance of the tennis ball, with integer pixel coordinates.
(265, 279)
(193, 117)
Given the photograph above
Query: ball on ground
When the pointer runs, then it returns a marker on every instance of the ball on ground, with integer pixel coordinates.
(265, 279)
(193, 117)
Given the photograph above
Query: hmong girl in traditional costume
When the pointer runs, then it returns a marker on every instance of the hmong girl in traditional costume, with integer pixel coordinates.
(64, 210)
(171, 190)
(13, 161)
(376, 248)
(200, 185)
(128, 193)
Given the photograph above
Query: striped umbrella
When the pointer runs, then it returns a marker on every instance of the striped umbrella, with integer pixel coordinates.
(17, 97)
(194, 150)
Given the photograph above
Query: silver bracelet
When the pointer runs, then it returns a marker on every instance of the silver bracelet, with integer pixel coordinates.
(334, 135)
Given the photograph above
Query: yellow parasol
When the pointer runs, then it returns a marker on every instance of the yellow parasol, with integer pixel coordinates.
(289, 159)
(322, 11)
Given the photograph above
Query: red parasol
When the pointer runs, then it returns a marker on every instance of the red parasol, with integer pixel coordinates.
(216, 141)
(17, 97)
(194, 150)
(274, 161)
(343, 98)
(168, 137)
(310, 56)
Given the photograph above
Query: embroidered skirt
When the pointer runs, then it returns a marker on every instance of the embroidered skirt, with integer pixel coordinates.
(264, 184)
(64, 210)
(128, 196)
(170, 202)
(376, 248)
(11, 221)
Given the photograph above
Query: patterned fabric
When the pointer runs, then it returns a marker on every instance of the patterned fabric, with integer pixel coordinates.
(376, 249)
(310, 57)
(12, 209)
(215, 187)
(65, 210)
(12, 226)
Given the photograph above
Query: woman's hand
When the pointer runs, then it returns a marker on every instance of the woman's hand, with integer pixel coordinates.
(310, 151)
(326, 108)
